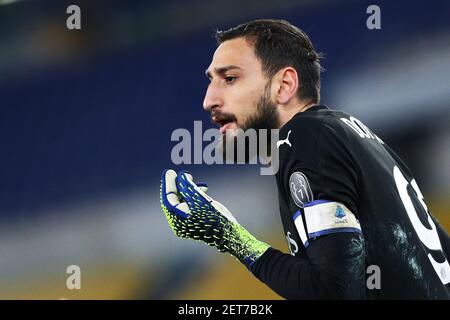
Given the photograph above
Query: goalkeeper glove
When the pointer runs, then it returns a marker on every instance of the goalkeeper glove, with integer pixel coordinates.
(191, 213)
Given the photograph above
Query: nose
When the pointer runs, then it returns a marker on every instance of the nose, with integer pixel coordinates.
(212, 98)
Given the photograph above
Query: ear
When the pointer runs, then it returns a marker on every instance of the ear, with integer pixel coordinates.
(286, 84)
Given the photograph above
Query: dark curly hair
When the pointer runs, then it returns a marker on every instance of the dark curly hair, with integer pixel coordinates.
(279, 44)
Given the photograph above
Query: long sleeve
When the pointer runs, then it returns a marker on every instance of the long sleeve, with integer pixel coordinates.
(334, 269)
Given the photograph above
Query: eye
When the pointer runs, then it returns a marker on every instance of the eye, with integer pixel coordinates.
(230, 79)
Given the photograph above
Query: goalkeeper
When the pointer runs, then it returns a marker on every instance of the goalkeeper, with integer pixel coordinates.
(347, 201)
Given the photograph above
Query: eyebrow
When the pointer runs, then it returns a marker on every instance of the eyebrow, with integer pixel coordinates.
(221, 71)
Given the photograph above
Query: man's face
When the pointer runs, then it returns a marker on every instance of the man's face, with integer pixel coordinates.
(238, 95)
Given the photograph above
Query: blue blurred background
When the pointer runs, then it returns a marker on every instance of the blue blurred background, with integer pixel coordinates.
(86, 118)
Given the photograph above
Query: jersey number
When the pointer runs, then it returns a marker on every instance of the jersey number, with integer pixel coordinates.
(429, 237)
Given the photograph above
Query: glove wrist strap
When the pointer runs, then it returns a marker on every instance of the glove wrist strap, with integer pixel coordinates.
(243, 245)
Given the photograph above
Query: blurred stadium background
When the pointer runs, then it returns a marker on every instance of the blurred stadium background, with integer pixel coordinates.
(86, 118)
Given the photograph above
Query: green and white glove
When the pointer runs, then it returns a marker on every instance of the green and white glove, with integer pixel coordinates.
(191, 213)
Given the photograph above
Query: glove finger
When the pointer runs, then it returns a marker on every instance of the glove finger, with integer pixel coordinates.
(202, 185)
(170, 196)
(187, 184)
(187, 173)
(183, 206)
(169, 188)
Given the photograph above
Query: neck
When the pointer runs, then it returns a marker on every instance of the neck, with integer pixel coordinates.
(287, 112)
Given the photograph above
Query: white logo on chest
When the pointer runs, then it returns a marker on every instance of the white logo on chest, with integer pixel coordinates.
(280, 142)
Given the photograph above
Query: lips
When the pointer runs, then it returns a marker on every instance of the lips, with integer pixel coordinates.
(226, 126)
(223, 121)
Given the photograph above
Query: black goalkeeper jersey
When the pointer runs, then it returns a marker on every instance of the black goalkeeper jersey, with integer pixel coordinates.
(355, 220)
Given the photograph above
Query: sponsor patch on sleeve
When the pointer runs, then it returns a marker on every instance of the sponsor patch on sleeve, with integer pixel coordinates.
(322, 217)
(300, 189)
